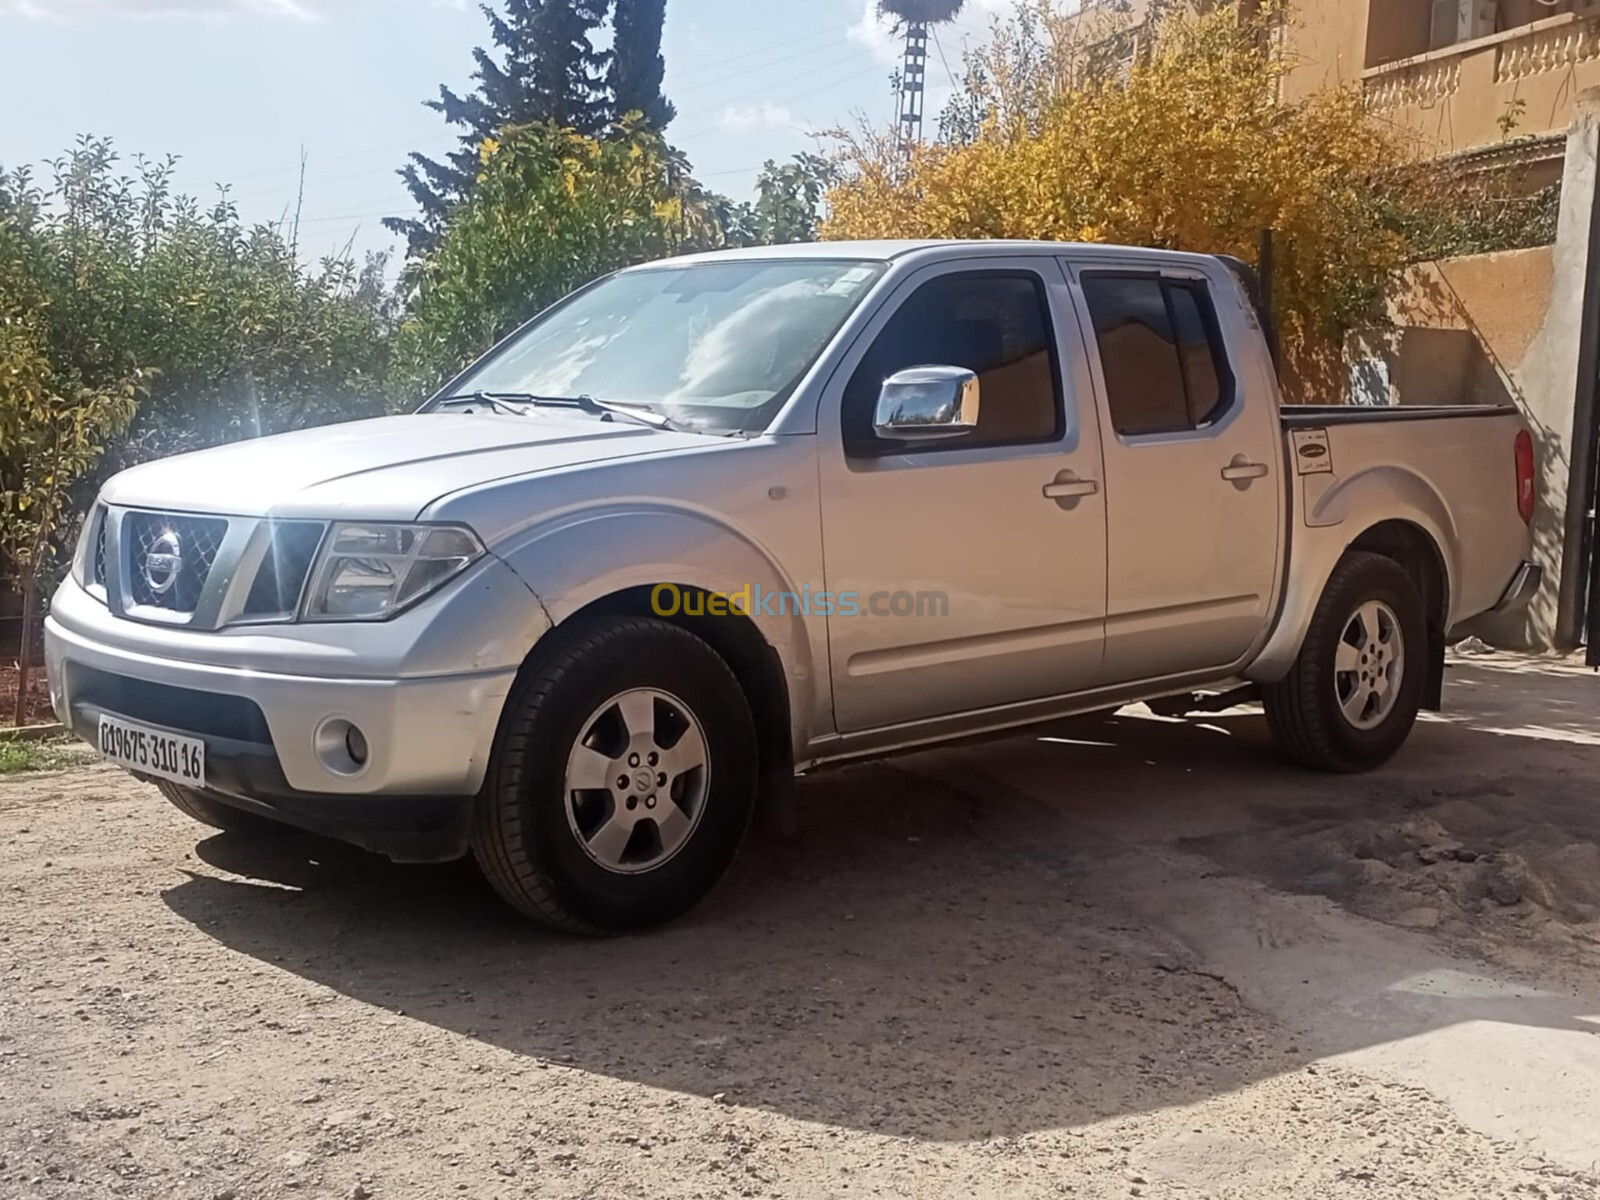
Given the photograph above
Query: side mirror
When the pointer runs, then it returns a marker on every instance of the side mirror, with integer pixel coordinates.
(924, 403)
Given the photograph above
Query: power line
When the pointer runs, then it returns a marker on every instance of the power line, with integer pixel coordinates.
(428, 144)
(949, 74)
(390, 169)
(832, 83)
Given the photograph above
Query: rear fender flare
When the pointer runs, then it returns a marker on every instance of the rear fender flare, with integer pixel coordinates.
(1335, 521)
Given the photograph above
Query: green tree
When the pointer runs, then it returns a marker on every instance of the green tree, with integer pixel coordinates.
(788, 203)
(552, 210)
(135, 324)
(548, 71)
(637, 67)
(52, 427)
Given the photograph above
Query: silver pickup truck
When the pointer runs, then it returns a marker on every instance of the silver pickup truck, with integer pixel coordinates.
(713, 522)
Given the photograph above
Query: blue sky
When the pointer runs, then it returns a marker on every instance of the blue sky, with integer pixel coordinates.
(238, 87)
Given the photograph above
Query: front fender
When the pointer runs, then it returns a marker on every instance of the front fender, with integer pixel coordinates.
(1334, 519)
(582, 557)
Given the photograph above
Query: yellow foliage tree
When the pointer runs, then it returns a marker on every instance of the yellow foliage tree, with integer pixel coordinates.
(1189, 147)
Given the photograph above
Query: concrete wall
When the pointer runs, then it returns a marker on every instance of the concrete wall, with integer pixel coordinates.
(1502, 300)
(1488, 330)
(1519, 327)
(1326, 43)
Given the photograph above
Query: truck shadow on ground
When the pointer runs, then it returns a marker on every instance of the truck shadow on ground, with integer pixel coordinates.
(940, 953)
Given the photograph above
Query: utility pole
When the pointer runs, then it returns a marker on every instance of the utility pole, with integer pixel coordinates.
(913, 84)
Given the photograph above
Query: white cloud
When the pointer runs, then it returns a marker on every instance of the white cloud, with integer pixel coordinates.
(212, 10)
(876, 32)
(744, 118)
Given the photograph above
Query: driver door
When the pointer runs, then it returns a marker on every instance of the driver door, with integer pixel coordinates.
(971, 572)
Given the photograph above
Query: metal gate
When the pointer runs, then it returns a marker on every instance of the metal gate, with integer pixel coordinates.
(1591, 576)
(1588, 606)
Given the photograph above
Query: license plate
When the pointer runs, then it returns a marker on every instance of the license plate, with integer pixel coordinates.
(153, 751)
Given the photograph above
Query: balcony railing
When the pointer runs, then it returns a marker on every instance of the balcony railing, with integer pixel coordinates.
(1553, 44)
(1553, 49)
(1413, 84)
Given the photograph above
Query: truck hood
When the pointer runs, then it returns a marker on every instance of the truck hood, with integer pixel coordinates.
(389, 468)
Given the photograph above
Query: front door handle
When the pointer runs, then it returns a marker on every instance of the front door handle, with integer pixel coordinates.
(1242, 470)
(1068, 486)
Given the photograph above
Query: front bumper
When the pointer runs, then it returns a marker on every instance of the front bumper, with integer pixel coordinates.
(429, 738)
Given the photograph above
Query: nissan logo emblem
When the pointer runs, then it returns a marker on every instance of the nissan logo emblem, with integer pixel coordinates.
(163, 563)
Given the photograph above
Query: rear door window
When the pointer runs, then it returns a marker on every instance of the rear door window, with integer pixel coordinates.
(1161, 352)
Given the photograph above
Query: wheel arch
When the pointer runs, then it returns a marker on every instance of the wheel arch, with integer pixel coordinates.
(1416, 541)
(610, 559)
(755, 662)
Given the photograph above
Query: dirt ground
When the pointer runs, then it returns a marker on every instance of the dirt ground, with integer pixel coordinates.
(1127, 957)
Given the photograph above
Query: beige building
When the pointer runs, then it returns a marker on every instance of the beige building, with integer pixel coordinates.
(1461, 76)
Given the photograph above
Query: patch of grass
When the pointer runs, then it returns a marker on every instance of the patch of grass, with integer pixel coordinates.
(18, 757)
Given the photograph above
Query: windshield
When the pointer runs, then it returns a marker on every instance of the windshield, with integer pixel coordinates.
(717, 346)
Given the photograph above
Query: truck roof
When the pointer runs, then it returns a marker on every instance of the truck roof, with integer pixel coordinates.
(889, 250)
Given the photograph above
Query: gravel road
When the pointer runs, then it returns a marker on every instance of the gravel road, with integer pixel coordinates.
(1129, 957)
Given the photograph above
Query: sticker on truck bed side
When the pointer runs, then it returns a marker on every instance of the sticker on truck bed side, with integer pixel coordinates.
(1312, 454)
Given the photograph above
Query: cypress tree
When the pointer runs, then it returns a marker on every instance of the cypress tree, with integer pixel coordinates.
(637, 67)
(547, 70)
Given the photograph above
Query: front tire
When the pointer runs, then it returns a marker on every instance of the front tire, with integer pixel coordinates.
(624, 779)
(1353, 694)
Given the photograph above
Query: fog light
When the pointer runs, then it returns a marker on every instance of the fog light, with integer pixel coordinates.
(341, 747)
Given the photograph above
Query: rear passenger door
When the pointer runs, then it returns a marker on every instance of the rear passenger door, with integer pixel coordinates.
(1194, 499)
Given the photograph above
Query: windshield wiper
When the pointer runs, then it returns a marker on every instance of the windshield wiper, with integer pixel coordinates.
(508, 402)
(503, 402)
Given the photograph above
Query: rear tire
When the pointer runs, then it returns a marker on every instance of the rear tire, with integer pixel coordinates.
(623, 781)
(1352, 696)
(200, 807)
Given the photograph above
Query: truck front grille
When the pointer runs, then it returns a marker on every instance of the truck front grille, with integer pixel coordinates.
(169, 558)
(281, 578)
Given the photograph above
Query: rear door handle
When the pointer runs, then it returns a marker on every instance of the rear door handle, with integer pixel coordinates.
(1240, 470)
(1069, 487)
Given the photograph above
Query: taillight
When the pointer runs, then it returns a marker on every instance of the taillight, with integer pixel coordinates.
(1525, 480)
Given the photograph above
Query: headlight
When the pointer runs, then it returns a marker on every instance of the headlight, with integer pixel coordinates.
(87, 536)
(372, 572)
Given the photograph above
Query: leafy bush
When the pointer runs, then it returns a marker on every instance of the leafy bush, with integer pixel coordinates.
(134, 323)
(1479, 213)
(229, 334)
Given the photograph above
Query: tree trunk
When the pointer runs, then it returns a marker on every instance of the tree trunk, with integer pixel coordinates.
(25, 646)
